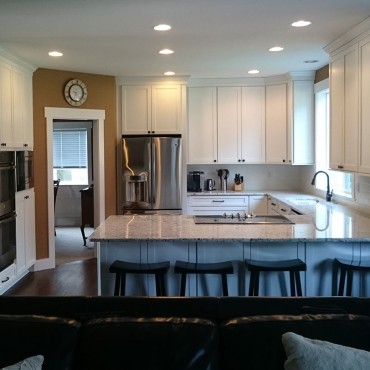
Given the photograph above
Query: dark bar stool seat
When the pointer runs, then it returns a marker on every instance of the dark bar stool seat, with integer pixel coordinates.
(121, 268)
(346, 267)
(293, 266)
(221, 268)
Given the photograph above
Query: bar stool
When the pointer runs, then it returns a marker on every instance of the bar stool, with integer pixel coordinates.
(221, 268)
(293, 266)
(346, 267)
(121, 268)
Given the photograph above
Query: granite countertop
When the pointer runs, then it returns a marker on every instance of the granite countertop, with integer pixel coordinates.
(322, 221)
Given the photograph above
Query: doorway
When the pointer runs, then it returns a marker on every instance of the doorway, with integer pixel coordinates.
(73, 114)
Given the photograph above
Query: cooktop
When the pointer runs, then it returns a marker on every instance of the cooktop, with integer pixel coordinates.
(242, 219)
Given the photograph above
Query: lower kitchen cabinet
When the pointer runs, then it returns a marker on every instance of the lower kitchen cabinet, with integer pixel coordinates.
(7, 278)
(220, 204)
(25, 226)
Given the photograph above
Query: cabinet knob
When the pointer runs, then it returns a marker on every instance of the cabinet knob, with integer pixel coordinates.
(25, 145)
(26, 197)
(239, 160)
(243, 160)
(283, 160)
(215, 160)
(153, 132)
(148, 132)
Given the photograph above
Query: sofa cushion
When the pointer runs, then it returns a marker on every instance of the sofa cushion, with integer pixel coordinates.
(307, 354)
(255, 342)
(25, 336)
(148, 343)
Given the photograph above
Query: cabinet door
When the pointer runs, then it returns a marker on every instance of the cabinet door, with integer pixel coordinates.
(229, 124)
(22, 110)
(253, 125)
(25, 236)
(136, 110)
(302, 127)
(344, 108)
(166, 109)
(6, 132)
(202, 127)
(276, 123)
(364, 156)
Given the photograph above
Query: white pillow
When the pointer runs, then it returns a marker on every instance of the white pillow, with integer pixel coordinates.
(30, 363)
(312, 354)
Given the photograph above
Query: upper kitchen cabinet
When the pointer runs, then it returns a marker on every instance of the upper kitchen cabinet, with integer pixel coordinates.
(276, 123)
(344, 113)
(151, 109)
(349, 69)
(202, 129)
(226, 124)
(364, 135)
(16, 117)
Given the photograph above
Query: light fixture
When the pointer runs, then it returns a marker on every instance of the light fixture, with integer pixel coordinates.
(166, 51)
(253, 71)
(55, 53)
(169, 73)
(162, 27)
(276, 48)
(301, 23)
(311, 61)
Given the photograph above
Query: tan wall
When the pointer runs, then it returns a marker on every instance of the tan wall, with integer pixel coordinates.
(48, 87)
(322, 74)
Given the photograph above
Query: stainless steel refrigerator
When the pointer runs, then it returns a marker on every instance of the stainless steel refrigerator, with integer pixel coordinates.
(151, 174)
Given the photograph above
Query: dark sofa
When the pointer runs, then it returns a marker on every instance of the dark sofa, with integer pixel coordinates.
(171, 332)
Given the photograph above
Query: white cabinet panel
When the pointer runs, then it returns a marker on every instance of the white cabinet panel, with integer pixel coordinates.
(258, 204)
(202, 129)
(253, 125)
(229, 124)
(276, 123)
(6, 129)
(364, 137)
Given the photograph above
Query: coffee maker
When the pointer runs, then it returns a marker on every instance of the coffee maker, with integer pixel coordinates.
(195, 181)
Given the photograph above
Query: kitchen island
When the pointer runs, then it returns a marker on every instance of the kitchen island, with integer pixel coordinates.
(324, 232)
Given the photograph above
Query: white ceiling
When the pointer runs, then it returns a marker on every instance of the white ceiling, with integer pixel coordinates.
(211, 38)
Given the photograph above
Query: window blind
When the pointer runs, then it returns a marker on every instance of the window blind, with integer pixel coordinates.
(70, 148)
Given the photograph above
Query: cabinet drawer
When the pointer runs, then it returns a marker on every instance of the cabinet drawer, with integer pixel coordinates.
(7, 275)
(218, 201)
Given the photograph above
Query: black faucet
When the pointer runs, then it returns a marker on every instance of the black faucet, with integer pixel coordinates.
(329, 193)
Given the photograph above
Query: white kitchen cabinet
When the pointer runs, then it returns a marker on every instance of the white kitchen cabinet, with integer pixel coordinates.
(7, 278)
(25, 226)
(253, 125)
(301, 124)
(276, 123)
(344, 109)
(202, 129)
(364, 134)
(151, 109)
(16, 117)
(229, 124)
(217, 205)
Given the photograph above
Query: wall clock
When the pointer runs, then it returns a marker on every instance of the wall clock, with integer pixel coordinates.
(75, 92)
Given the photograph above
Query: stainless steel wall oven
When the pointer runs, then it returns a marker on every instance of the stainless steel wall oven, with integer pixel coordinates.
(7, 209)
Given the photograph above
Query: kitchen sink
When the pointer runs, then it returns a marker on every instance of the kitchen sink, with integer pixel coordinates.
(242, 219)
(304, 201)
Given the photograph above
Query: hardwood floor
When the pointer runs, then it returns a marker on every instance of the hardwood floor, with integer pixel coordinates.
(74, 278)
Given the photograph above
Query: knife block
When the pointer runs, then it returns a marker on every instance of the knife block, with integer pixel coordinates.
(239, 187)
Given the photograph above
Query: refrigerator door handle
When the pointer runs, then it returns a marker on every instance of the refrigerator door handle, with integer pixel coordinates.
(153, 178)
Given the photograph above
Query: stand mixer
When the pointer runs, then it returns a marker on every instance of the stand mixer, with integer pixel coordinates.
(223, 174)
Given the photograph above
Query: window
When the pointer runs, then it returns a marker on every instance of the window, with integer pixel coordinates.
(340, 182)
(70, 154)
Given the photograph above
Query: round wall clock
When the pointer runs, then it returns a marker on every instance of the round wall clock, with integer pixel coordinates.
(75, 92)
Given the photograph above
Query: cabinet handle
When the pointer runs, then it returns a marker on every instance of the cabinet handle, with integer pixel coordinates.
(26, 197)
(283, 210)
(3, 144)
(25, 145)
(340, 167)
(273, 204)
(218, 201)
(5, 280)
(215, 160)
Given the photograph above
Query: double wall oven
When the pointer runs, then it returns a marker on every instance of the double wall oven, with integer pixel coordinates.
(7, 209)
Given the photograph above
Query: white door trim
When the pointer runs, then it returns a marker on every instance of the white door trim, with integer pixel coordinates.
(97, 117)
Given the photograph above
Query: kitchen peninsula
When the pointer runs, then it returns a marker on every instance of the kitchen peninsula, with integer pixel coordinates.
(323, 232)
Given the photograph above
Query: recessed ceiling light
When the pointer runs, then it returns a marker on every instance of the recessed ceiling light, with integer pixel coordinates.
(311, 61)
(162, 27)
(301, 23)
(276, 48)
(55, 53)
(253, 71)
(169, 73)
(166, 51)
